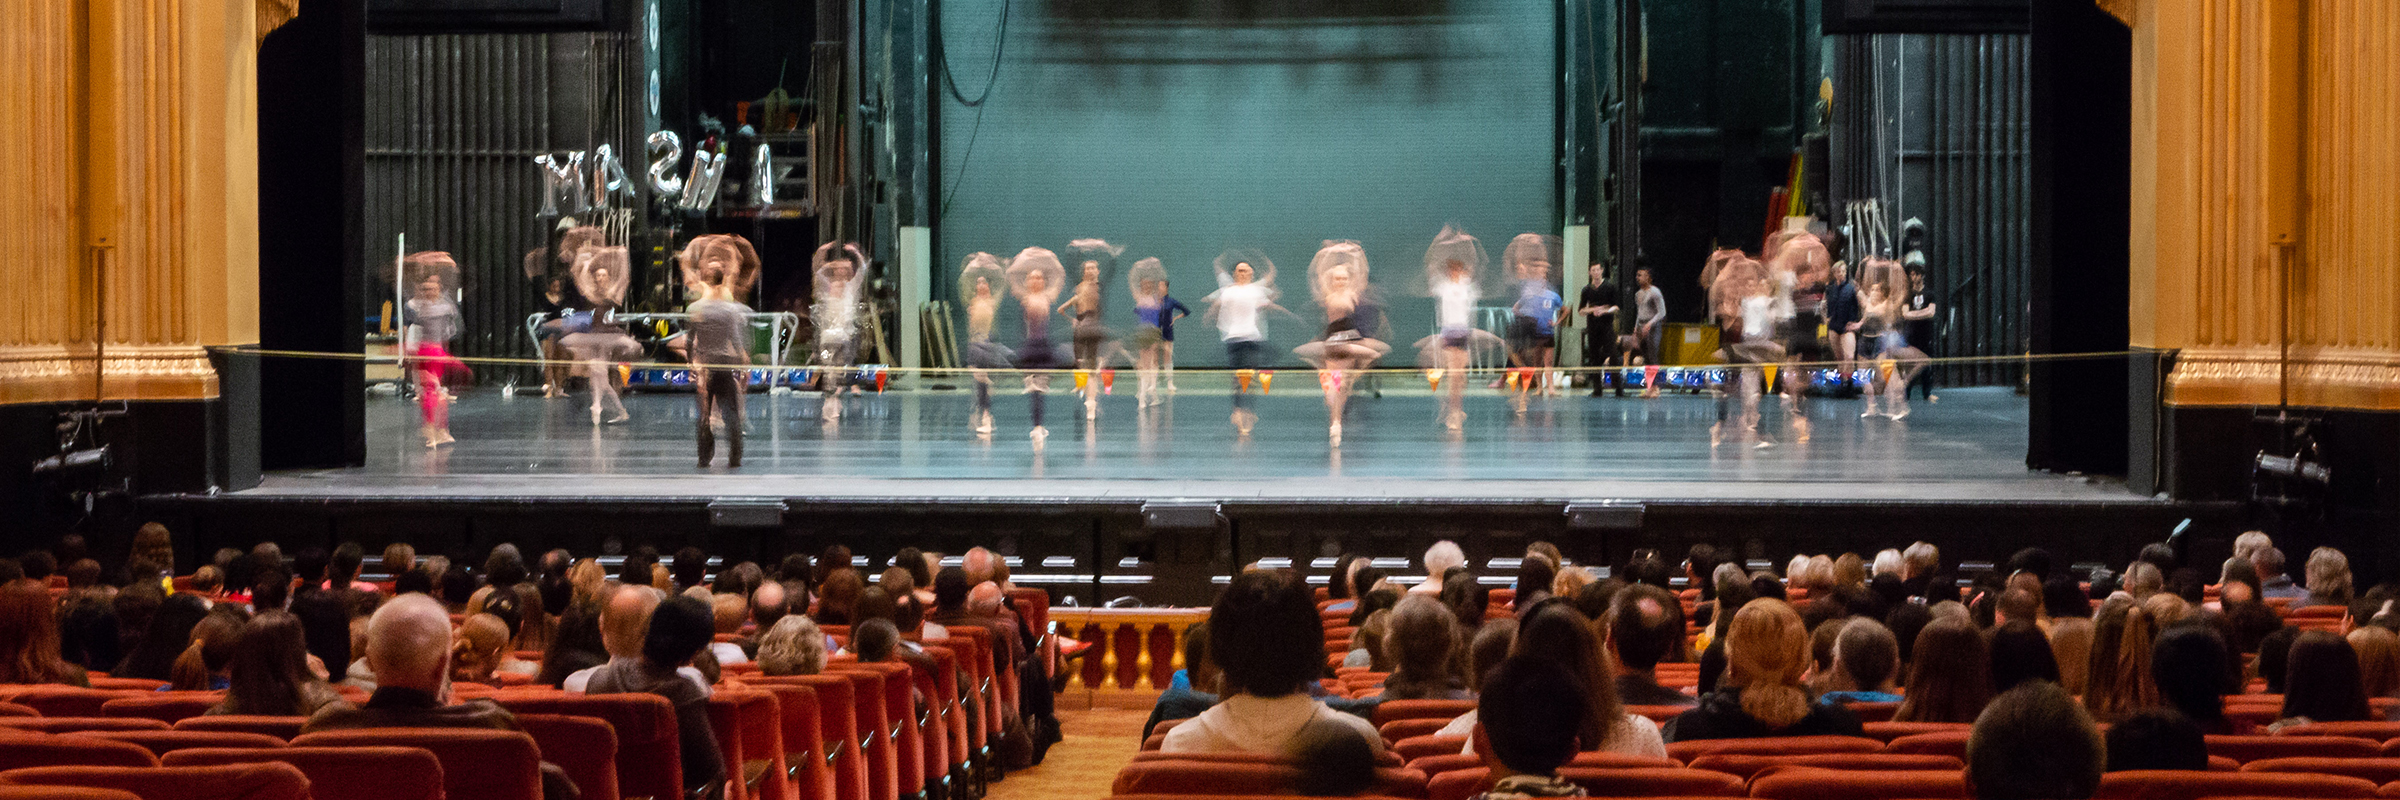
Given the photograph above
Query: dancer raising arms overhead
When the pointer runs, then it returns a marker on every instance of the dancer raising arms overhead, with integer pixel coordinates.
(1351, 341)
(602, 273)
(1035, 277)
(1245, 290)
(1155, 339)
(720, 268)
(981, 280)
(838, 310)
(1454, 267)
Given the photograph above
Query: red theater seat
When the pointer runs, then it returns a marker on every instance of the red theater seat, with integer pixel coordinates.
(1873, 712)
(837, 722)
(1603, 782)
(1785, 745)
(64, 793)
(106, 683)
(79, 724)
(2246, 749)
(2187, 785)
(164, 742)
(167, 707)
(63, 701)
(1435, 765)
(230, 782)
(1223, 777)
(2375, 731)
(16, 710)
(2379, 770)
(284, 728)
(649, 756)
(1888, 731)
(1416, 747)
(583, 747)
(345, 773)
(1944, 743)
(803, 740)
(478, 763)
(1745, 766)
(1399, 729)
(1816, 783)
(31, 750)
(1384, 759)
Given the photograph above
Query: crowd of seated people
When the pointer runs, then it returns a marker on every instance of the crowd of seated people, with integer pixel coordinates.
(2053, 679)
(433, 643)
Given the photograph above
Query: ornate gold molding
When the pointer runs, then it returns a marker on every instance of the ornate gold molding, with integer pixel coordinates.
(2251, 377)
(273, 14)
(2123, 10)
(57, 375)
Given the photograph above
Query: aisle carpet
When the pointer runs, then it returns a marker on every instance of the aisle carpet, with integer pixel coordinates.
(1098, 742)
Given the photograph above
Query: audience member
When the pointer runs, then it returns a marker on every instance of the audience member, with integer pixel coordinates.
(2020, 653)
(1469, 601)
(794, 646)
(2273, 581)
(1422, 645)
(1555, 631)
(1366, 643)
(1336, 761)
(2034, 743)
(837, 597)
(1645, 624)
(202, 665)
(624, 627)
(679, 630)
(727, 612)
(2188, 663)
(2119, 681)
(2324, 683)
(1192, 690)
(1442, 557)
(1865, 659)
(576, 646)
(398, 558)
(1529, 727)
(2378, 659)
(269, 674)
(165, 638)
(2328, 579)
(1766, 653)
(477, 647)
(1267, 641)
(2274, 654)
(1950, 677)
(2157, 738)
(29, 641)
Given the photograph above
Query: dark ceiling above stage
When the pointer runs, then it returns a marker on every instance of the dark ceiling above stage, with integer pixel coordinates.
(1927, 16)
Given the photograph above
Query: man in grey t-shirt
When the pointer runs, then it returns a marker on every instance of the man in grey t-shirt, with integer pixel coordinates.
(720, 331)
(1649, 321)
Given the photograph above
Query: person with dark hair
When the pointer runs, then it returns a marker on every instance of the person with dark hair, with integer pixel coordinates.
(1371, 602)
(29, 649)
(89, 631)
(2160, 555)
(1865, 660)
(38, 566)
(836, 558)
(575, 646)
(1906, 621)
(691, 568)
(1529, 726)
(635, 569)
(343, 566)
(1645, 624)
(2324, 683)
(1266, 638)
(1761, 694)
(1338, 586)
(269, 674)
(2188, 664)
(1340, 763)
(2274, 657)
(1468, 599)
(415, 581)
(2020, 653)
(504, 566)
(2034, 743)
(680, 629)
(1421, 645)
(793, 567)
(1949, 679)
(1554, 630)
(1646, 568)
(270, 589)
(1192, 690)
(1534, 577)
(2273, 581)
(2032, 561)
(169, 632)
(2158, 738)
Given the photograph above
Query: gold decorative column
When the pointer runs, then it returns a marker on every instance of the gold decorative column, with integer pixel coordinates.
(2266, 148)
(130, 181)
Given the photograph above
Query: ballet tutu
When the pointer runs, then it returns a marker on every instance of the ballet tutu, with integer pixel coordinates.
(1038, 355)
(590, 346)
(1148, 335)
(988, 354)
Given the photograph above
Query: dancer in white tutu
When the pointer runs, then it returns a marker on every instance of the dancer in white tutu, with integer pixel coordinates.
(602, 274)
(1352, 339)
(981, 280)
(1454, 267)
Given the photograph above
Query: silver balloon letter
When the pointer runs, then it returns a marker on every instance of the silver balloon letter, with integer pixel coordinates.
(762, 176)
(666, 150)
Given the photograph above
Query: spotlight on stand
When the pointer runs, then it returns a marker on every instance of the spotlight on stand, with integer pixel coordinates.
(2290, 474)
(84, 463)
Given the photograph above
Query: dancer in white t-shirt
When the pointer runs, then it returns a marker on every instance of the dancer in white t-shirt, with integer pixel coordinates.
(1245, 290)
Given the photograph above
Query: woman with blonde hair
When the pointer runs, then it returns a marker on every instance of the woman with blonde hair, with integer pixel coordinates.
(2118, 681)
(477, 649)
(2328, 579)
(2378, 659)
(794, 646)
(1761, 694)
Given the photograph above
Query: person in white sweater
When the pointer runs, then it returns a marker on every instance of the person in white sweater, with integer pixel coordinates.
(1265, 637)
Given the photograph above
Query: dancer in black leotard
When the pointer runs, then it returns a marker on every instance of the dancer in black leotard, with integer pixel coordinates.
(1034, 277)
(981, 280)
(1352, 339)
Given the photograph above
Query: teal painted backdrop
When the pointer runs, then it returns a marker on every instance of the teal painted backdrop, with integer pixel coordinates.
(1179, 129)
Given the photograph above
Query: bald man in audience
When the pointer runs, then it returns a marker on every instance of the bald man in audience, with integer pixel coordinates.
(623, 624)
(980, 565)
(408, 648)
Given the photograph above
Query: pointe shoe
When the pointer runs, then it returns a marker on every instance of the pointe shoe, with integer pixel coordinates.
(442, 436)
(1244, 421)
(1900, 414)
(1455, 420)
(619, 419)
(983, 422)
(595, 415)
(1800, 431)
(1039, 434)
(1335, 433)
(1716, 434)
(1870, 412)
(427, 432)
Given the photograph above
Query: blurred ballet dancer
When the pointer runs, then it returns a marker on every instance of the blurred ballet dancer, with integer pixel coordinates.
(1095, 260)
(1245, 290)
(1798, 267)
(720, 269)
(602, 276)
(980, 280)
(840, 270)
(1742, 305)
(1351, 341)
(1883, 290)
(430, 321)
(1035, 276)
(1154, 341)
(1534, 317)
(1454, 266)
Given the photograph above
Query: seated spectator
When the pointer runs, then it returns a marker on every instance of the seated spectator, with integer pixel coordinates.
(1381, 598)
(89, 631)
(2158, 738)
(1266, 638)
(1491, 646)
(29, 639)
(202, 666)
(167, 636)
(2143, 579)
(2020, 653)
(477, 647)
(575, 645)
(1338, 762)
(398, 558)
(1766, 654)
(795, 646)
(1366, 643)
(2120, 681)
(2273, 581)
(2188, 662)
(1556, 632)
(1192, 690)
(1950, 678)
(2034, 743)
(679, 630)
(2328, 579)
(624, 626)
(1824, 628)
(2274, 657)
(1469, 601)
(2378, 659)
(1534, 577)
(1865, 659)
(2324, 683)
(1422, 647)
(837, 598)
(1645, 623)
(1530, 728)
(342, 572)
(269, 674)
(1439, 560)
(727, 612)
(208, 581)
(1341, 590)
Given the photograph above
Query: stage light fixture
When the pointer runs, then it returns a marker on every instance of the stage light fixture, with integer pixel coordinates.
(1180, 515)
(1605, 515)
(86, 462)
(745, 512)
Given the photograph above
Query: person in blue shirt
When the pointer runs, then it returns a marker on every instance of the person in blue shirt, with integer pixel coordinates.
(1533, 330)
(1154, 342)
(1865, 658)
